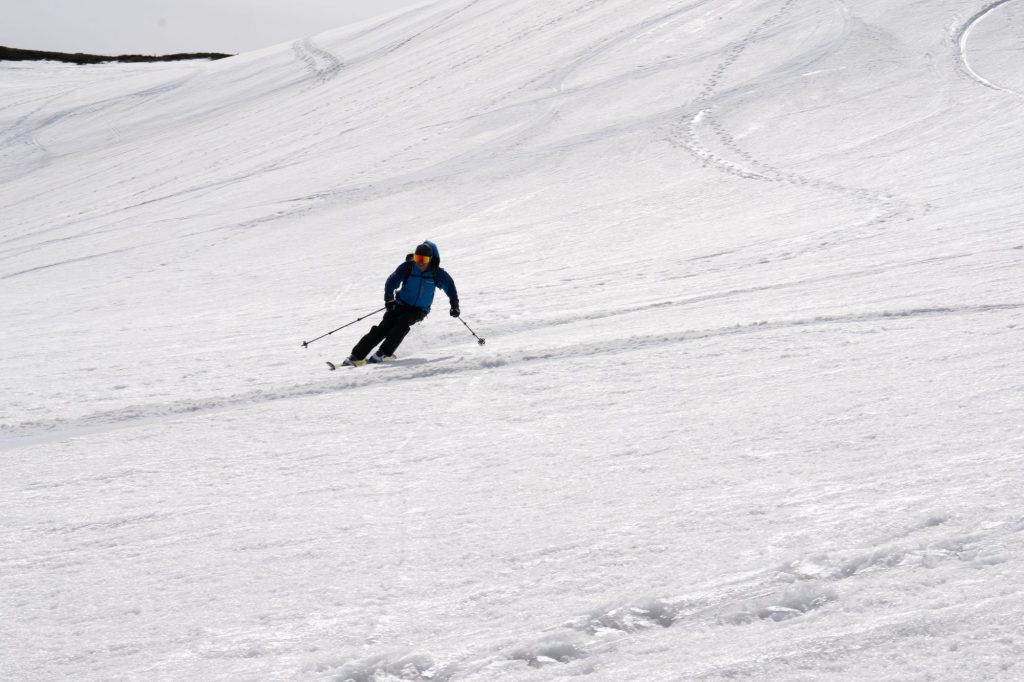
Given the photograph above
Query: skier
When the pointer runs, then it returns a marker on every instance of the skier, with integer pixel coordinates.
(415, 281)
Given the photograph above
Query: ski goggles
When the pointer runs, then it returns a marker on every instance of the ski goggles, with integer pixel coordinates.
(421, 259)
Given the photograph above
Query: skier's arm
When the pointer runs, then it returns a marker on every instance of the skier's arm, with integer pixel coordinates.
(447, 285)
(394, 281)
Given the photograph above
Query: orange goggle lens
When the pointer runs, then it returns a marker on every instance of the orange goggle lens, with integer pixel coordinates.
(421, 259)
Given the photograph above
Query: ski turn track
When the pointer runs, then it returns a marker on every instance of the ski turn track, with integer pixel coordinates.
(962, 37)
(699, 123)
(14, 436)
(772, 595)
(321, 64)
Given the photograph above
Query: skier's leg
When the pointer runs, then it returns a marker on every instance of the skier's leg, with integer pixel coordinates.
(405, 319)
(376, 334)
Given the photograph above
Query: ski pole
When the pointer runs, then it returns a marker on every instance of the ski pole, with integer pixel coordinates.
(305, 344)
(478, 339)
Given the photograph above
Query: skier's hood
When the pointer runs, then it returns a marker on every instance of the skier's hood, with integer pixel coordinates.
(435, 261)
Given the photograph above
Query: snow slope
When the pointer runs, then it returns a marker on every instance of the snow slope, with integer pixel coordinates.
(750, 275)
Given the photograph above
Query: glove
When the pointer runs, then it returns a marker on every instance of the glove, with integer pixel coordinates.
(389, 303)
(455, 310)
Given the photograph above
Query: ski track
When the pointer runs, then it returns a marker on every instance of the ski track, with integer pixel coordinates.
(962, 36)
(577, 641)
(686, 133)
(428, 30)
(440, 170)
(321, 65)
(25, 129)
(551, 93)
(772, 595)
(527, 325)
(24, 434)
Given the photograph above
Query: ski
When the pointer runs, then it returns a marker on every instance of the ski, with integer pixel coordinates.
(396, 363)
(345, 363)
(372, 360)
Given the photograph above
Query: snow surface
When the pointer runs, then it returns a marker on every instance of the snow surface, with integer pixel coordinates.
(750, 407)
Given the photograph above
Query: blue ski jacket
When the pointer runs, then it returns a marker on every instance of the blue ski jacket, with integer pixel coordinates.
(417, 288)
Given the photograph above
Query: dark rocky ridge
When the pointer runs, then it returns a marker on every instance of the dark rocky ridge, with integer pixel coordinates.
(16, 55)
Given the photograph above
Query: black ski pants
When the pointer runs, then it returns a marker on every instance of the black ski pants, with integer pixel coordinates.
(391, 330)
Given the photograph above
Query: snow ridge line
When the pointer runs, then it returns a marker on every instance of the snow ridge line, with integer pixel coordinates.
(13, 436)
(771, 595)
(961, 37)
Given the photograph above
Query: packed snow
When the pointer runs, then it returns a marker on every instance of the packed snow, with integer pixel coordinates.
(750, 405)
